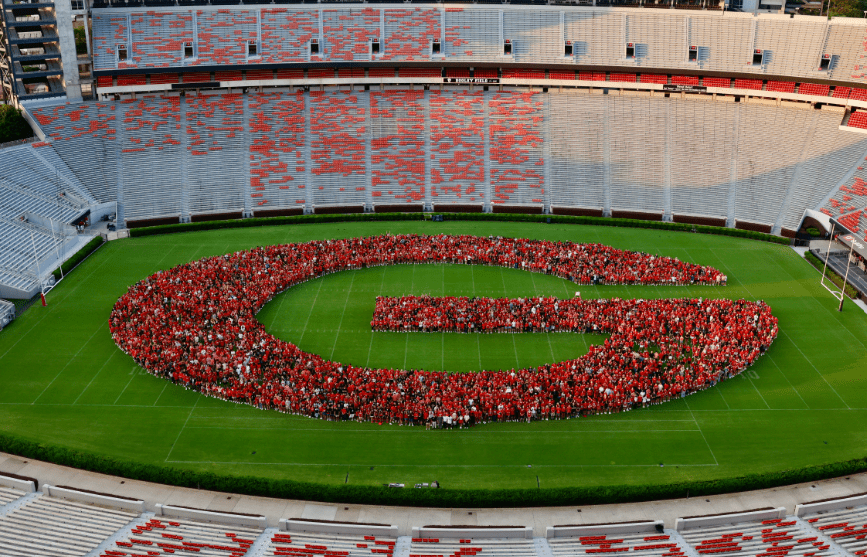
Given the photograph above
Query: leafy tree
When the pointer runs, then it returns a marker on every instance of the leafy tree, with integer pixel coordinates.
(80, 41)
(848, 8)
(13, 126)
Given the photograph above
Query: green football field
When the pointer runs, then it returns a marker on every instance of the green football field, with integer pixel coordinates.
(64, 382)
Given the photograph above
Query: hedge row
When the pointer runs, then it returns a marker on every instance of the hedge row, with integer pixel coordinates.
(625, 223)
(272, 221)
(79, 256)
(370, 217)
(832, 275)
(445, 497)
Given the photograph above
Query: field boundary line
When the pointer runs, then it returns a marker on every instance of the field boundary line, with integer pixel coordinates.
(717, 389)
(750, 379)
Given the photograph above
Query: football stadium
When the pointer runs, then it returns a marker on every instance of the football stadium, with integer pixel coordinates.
(527, 278)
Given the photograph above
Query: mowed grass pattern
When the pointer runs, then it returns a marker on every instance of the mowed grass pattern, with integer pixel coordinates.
(64, 381)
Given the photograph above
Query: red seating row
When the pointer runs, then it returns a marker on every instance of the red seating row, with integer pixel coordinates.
(397, 155)
(457, 146)
(409, 33)
(277, 160)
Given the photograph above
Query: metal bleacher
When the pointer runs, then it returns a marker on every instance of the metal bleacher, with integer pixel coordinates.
(51, 526)
(233, 153)
(726, 40)
(183, 537)
(765, 538)
(39, 197)
(62, 521)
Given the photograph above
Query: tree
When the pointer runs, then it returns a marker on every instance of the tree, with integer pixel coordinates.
(80, 40)
(13, 126)
(848, 8)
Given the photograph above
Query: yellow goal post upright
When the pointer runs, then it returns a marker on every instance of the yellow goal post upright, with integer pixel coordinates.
(838, 292)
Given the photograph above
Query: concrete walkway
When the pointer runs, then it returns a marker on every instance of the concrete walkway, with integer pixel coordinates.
(407, 517)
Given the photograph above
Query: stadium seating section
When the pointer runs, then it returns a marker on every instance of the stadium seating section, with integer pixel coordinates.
(212, 36)
(52, 526)
(306, 544)
(86, 523)
(39, 197)
(205, 116)
(165, 155)
(176, 536)
(643, 544)
(846, 527)
(767, 538)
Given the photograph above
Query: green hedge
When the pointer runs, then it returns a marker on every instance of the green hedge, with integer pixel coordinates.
(504, 217)
(832, 275)
(444, 497)
(272, 221)
(79, 256)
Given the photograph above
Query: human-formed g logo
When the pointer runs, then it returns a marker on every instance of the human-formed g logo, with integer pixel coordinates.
(195, 325)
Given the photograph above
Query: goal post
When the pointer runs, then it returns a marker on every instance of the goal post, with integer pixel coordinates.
(839, 293)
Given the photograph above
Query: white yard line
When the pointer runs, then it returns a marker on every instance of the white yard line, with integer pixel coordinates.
(135, 371)
(370, 348)
(312, 305)
(786, 335)
(345, 303)
(69, 361)
(716, 462)
(94, 377)
(182, 430)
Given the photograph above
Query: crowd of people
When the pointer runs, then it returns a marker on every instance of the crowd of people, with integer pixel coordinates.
(196, 325)
(657, 349)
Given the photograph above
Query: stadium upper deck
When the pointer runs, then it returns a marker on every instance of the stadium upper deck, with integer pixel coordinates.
(129, 40)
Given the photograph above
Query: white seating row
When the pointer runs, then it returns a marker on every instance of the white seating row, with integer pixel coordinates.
(50, 526)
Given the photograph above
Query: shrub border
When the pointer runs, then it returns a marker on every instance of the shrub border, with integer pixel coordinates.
(79, 257)
(501, 217)
(443, 498)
